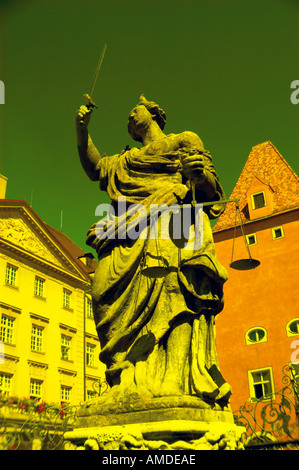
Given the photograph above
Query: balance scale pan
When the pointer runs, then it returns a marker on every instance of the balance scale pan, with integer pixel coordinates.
(245, 264)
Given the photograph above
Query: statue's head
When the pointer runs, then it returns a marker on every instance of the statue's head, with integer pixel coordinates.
(155, 112)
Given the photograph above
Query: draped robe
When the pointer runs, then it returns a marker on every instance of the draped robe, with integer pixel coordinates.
(157, 332)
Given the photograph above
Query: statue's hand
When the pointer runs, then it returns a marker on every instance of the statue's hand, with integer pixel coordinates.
(193, 166)
(83, 116)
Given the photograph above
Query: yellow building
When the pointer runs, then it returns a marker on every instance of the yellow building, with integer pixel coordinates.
(48, 343)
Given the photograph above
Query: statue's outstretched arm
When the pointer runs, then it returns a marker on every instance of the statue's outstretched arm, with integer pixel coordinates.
(88, 153)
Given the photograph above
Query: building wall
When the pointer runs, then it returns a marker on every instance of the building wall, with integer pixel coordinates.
(48, 313)
(266, 297)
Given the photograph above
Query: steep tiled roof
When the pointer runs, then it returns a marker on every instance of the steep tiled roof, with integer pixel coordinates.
(266, 164)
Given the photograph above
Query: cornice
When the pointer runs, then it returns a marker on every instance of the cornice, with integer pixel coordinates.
(248, 222)
(68, 267)
(51, 268)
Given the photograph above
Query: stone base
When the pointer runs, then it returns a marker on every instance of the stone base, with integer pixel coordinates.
(167, 423)
(165, 435)
(136, 410)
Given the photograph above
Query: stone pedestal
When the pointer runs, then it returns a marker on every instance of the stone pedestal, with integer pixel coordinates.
(167, 423)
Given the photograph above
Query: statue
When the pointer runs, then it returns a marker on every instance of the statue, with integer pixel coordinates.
(156, 332)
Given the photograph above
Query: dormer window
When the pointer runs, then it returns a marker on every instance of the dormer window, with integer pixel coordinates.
(258, 200)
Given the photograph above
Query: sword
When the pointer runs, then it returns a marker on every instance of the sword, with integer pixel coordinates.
(89, 102)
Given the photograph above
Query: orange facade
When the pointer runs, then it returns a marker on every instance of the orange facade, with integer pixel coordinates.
(257, 333)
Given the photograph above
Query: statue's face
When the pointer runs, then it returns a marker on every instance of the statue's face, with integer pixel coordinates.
(139, 120)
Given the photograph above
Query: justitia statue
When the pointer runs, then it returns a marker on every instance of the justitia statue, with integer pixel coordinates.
(156, 331)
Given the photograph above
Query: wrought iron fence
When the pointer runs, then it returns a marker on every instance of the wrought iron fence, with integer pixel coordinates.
(100, 387)
(271, 422)
(31, 424)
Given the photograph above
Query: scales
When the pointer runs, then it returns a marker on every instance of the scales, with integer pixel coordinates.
(161, 269)
(246, 263)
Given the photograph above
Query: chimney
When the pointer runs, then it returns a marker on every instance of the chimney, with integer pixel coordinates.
(3, 183)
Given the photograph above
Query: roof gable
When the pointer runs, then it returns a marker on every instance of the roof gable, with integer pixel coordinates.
(266, 165)
(24, 233)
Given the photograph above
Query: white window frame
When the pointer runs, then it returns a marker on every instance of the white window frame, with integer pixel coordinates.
(89, 310)
(66, 347)
(252, 383)
(67, 299)
(7, 329)
(36, 388)
(65, 394)
(91, 394)
(90, 354)
(11, 275)
(39, 287)
(37, 338)
(5, 383)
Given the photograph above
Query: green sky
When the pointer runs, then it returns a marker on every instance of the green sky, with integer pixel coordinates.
(220, 68)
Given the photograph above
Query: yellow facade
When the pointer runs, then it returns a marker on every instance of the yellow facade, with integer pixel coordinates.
(48, 343)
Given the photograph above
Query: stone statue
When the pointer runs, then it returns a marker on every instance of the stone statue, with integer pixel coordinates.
(156, 332)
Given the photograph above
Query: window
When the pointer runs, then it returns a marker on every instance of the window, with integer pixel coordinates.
(277, 232)
(39, 287)
(91, 394)
(6, 331)
(90, 354)
(67, 298)
(258, 200)
(11, 275)
(89, 311)
(294, 369)
(65, 347)
(256, 335)
(251, 239)
(5, 383)
(36, 388)
(293, 327)
(65, 394)
(2, 353)
(261, 384)
(37, 338)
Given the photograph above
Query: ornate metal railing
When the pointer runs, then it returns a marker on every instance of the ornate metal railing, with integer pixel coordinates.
(100, 386)
(272, 421)
(31, 424)
(27, 424)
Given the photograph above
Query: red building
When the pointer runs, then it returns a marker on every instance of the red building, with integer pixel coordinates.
(257, 333)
